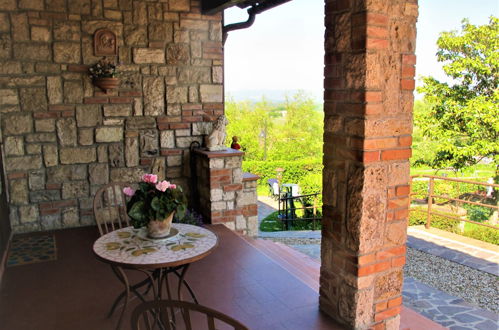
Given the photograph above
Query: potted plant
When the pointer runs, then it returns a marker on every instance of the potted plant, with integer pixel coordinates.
(104, 75)
(154, 205)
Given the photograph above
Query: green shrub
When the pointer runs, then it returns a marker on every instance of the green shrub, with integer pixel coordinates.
(272, 223)
(485, 234)
(416, 217)
(294, 171)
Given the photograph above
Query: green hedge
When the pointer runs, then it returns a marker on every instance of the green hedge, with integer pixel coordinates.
(294, 171)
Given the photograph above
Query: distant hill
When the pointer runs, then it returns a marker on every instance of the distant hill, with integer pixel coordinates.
(271, 95)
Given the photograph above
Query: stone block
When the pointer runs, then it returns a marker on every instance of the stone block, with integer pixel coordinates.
(118, 110)
(167, 139)
(79, 7)
(66, 173)
(216, 163)
(139, 13)
(73, 92)
(158, 167)
(33, 149)
(8, 97)
(66, 132)
(67, 31)
(245, 198)
(70, 217)
(135, 35)
(229, 196)
(202, 128)
(137, 123)
(4, 22)
(176, 94)
(88, 115)
(148, 55)
(154, 96)
(41, 137)
(161, 31)
(18, 191)
(5, 46)
(131, 151)
(218, 206)
(174, 160)
(252, 223)
(86, 136)
(211, 93)
(388, 285)
(28, 213)
(182, 132)
(23, 163)
(50, 221)
(54, 89)
(109, 134)
(44, 196)
(20, 29)
(40, 33)
(9, 67)
(98, 173)
(33, 99)
(130, 175)
(240, 222)
(75, 189)
(8, 5)
(36, 180)
(177, 54)
(14, 146)
(233, 162)
(67, 52)
(77, 155)
(149, 143)
(116, 155)
(193, 94)
(50, 155)
(113, 14)
(47, 67)
(217, 75)
(32, 51)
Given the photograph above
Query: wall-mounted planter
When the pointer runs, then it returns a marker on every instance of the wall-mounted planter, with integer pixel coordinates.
(106, 84)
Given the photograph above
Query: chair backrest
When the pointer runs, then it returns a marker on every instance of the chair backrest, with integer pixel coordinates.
(174, 314)
(110, 207)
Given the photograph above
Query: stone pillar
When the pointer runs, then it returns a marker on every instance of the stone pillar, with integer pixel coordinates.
(224, 196)
(368, 100)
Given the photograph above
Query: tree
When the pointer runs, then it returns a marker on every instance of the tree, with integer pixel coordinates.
(463, 115)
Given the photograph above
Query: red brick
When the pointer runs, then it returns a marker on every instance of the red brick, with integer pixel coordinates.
(48, 211)
(250, 210)
(381, 306)
(409, 59)
(383, 143)
(180, 125)
(405, 141)
(386, 314)
(156, 44)
(379, 326)
(391, 252)
(186, 113)
(120, 99)
(106, 94)
(193, 119)
(228, 213)
(233, 187)
(367, 259)
(78, 68)
(382, 266)
(223, 219)
(17, 175)
(221, 179)
(95, 100)
(68, 113)
(43, 115)
(217, 172)
(398, 262)
(192, 106)
(403, 190)
(370, 156)
(373, 109)
(163, 126)
(376, 19)
(169, 119)
(391, 193)
(168, 152)
(131, 93)
(407, 84)
(86, 212)
(365, 270)
(401, 214)
(373, 97)
(377, 32)
(213, 106)
(53, 186)
(398, 203)
(408, 71)
(396, 154)
(145, 161)
(395, 302)
(373, 43)
(62, 204)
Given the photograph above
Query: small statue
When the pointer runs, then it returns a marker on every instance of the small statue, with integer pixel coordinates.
(234, 144)
(216, 139)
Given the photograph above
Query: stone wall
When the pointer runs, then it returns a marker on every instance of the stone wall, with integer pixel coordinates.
(63, 138)
(226, 194)
(369, 82)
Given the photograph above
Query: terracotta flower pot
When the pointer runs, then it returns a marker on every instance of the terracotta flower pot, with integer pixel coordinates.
(160, 228)
(106, 84)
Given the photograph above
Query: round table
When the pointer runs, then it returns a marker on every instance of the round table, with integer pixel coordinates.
(130, 248)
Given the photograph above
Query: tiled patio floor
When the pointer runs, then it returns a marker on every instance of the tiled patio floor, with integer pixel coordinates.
(76, 290)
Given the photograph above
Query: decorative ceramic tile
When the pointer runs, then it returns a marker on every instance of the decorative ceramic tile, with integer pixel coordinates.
(132, 246)
(31, 249)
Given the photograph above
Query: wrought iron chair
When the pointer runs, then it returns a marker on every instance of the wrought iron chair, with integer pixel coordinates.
(110, 214)
(176, 315)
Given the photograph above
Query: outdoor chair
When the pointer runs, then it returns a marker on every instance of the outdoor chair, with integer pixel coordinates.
(274, 190)
(110, 208)
(179, 315)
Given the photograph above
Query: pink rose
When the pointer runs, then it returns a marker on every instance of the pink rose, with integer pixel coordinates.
(150, 178)
(163, 185)
(173, 186)
(129, 191)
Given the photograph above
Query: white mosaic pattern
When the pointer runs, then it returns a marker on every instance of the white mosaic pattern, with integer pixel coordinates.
(130, 246)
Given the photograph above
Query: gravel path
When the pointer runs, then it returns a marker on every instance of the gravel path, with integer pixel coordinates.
(476, 287)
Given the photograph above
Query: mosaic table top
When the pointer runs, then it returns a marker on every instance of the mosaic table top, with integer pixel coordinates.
(132, 247)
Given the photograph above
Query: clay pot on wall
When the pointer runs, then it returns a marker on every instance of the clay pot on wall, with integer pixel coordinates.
(106, 84)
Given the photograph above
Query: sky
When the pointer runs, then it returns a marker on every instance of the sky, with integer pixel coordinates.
(283, 50)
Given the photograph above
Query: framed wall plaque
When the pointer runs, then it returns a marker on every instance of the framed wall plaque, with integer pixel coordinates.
(105, 43)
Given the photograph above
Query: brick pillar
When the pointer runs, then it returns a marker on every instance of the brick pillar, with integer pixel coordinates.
(369, 82)
(225, 194)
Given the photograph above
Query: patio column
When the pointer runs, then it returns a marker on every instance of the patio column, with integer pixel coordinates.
(368, 100)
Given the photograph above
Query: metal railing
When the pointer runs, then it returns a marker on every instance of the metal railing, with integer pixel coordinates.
(431, 196)
(287, 210)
